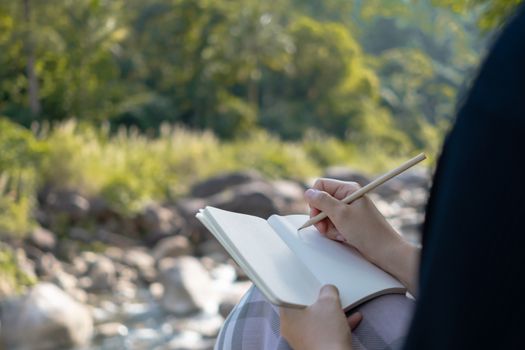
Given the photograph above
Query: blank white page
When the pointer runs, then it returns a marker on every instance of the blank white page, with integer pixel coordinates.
(266, 259)
(334, 263)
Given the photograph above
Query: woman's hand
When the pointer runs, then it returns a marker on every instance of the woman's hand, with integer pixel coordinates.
(362, 226)
(322, 325)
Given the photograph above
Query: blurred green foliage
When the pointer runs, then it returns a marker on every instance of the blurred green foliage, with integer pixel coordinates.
(287, 66)
(493, 12)
(21, 156)
(12, 277)
(165, 92)
(128, 169)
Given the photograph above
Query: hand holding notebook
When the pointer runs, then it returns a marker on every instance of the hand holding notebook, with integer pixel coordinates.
(290, 266)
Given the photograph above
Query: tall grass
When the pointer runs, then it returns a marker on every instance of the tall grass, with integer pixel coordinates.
(128, 168)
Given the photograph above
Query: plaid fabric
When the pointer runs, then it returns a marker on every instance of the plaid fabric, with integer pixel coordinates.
(254, 324)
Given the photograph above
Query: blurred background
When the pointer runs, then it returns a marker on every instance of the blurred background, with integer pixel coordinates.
(119, 119)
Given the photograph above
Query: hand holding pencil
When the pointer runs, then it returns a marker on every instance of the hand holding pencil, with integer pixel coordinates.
(361, 225)
(372, 185)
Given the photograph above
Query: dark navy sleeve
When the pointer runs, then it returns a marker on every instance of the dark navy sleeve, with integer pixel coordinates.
(472, 275)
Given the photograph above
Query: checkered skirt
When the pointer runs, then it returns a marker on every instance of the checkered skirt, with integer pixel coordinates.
(254, 324)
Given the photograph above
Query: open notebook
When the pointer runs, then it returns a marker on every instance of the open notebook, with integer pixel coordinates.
(289, 267)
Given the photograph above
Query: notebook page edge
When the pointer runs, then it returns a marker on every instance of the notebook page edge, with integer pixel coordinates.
(207, 218)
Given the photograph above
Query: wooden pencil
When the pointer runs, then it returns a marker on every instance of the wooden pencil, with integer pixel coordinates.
(372, 185)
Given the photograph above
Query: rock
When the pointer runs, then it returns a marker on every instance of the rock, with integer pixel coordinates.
(205, 324)
(102, 274)
(290, 197)
(126, 273)
(116, 239)
(159, 221)
(187, 286)
(136, 312)
(142, 261)
(172, 247)
(111, 329)
(145, 338)
(81, 234)
(224, 273)
(222, 182)
(213, 249)
(101, 210)
(190, 340)
(241, 275)
(232, 295)
(226, 307)
(254, 198)
(67, 249)
(258, 198)
(125, 290)
(65, 281)
(42, 239)
(69, 284)
(105, 313)
(114, 253)
(390, 190)
(47, 265)
(45, 318)
(346, 174)
(414, 197)
(71, 203)
(193, 228)
(415, 177)
(156, 290)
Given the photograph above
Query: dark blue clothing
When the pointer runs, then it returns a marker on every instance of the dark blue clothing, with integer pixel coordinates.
(472, 278)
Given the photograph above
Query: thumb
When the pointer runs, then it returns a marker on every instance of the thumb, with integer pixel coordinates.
(329, 291)
(322, 201)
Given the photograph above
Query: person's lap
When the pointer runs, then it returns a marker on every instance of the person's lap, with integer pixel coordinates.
(254, 324)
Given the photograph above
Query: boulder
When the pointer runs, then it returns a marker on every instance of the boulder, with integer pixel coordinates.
(47, 265)
(211, 248)
(111, 329)
(42, 239)
(290, 197)
(139, 259)
(70, 203)
(232, 296)
(172, 247)
(415, 177)
(102, 274)
(193, 228)
(346, 174)
(258, 198)
(254, 198)
(45, 318)
(222, 182)
(187, 286)
(157, 221)
(81, 234)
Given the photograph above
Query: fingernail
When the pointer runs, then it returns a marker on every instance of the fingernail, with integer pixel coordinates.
(310, 193)
(328, 289)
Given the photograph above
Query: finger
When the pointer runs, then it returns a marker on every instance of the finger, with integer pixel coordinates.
(329, 291)
(354, 319)
(331, 231)
(322, 201)
(321, 225)
(338, 189)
